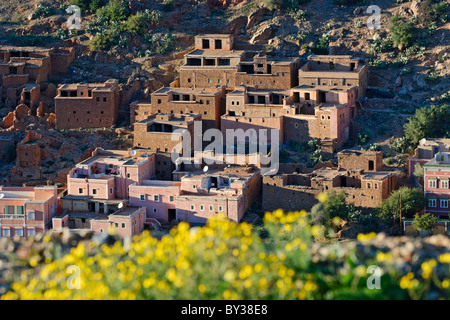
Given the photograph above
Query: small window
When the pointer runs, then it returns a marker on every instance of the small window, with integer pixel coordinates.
(19, 232)
(171, 198)
(31, 232)
(154, 210)
(97, 99)
(192, 207)
(31, 215)
(142, 197)
(94, 191)
(128, 175)
(156, 198)
(123, 225)
(6, 232)
(104, 99)
(432, 203)
(220, 209)
(110, 190)
(116, 225)
(80, 190)
(444, 203)
(211, 208)
(202, 207)
(432, 183)
(444, 184)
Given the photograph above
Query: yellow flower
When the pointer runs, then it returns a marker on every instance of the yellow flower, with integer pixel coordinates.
(202, 288)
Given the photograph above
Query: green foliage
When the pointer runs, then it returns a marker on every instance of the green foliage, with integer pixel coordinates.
(115, 10)
(403, 33)
(418, 171)
(424, 222)
(158, 45)
(298, 14)
(91, 5)
(138, 23)
(363, 137)
(102, 41)
(428, 122)
(273, 5)
(30, 39)
(322, 45)
(43, 11)
(401, 145)
(412, 201)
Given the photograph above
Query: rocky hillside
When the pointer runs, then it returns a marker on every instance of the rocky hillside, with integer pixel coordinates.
(142, 43)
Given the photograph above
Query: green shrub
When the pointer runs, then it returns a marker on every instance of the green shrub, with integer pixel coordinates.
(411, 199)
(115, 10)
(321, 47)
(363, 137)
(401, 145)
(418, 171)
(424, 222)
(91, 5)
(137, 24)
(428, 122)
(403, 33)
(43, 11)
(102, 41)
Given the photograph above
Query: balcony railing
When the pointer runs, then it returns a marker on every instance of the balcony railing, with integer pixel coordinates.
(12, 216)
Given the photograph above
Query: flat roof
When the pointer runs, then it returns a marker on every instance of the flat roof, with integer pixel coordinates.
(197, 91)
(215, 54)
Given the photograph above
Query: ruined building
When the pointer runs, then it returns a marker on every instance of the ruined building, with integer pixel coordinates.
(24, 69)
(359, 174)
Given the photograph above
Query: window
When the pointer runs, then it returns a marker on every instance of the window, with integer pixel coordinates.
(202, 208)
(128, 175)
(159, 101)
(171, 198)
(98, 99)
(209, 80)
(80, 190)
(94, 191)
(6, 232)
(194, 186)
(19, 232)
(116, 225)
(123, 225)
(192, 207)
(432, 202)
(154, 210)
(31, 232)
(104, 99)
(19, 210)
(211, 208)
(432, 183)
(110, 190)
(142, 197)
(220, 208)
(444, 203)
(368, 186)
(31, 215)
(444, 184)
(156, 198)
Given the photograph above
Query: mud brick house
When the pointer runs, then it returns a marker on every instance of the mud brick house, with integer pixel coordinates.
(156, 133)
(436, 184)
(426, 150)
(27, 210)
(106, 176)
(86, 105)
(127, 221)
(28, 150)
(301, 113)
(213, 61)
(359, 174)
(23, 69)
(139, 110)
(198, 195)
(209, 103)
(335, 71)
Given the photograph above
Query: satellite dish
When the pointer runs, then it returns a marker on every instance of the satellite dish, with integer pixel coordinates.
(133, 152)
(205, 169)
(120, 205)
(2, 195)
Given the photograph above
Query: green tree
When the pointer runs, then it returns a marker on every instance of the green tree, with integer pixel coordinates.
(411, 199)
(403, 33)
(138, 23)
(91, 5)
(428, 122)
(424, 222)
(115, 10)
(334, 206)
(418, 171)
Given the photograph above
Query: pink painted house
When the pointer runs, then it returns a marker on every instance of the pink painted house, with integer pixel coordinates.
(27, 210)
(436, 184)
(425, 151)
(158, 197)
